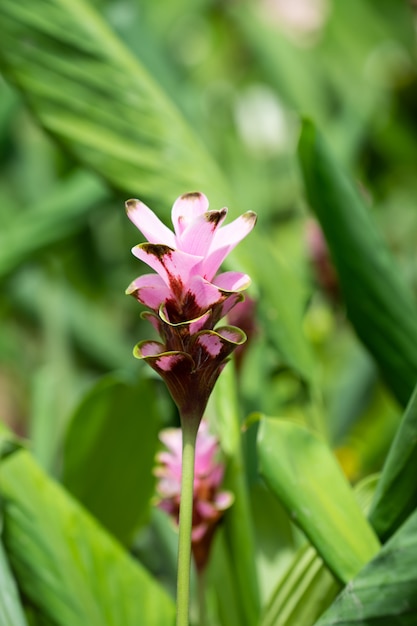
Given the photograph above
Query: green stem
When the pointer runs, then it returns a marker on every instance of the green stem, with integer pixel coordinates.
(189, 434)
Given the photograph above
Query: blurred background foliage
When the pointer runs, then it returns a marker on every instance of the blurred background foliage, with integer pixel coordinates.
(108, 100)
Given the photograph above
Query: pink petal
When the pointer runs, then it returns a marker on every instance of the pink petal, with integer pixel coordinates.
(167, 362)
(198, 323)
(186, 208)
(224, 240)
(232, 334)
(229, 303)
(205, 293)
(153, 319)
(198, 532)
(197, 237)
(172, 439)
(232, 281)
(206, 509)
(234, 232)
(149, 289)
(212, 343)
(169, 488)
(146, 349)
(149, 224)
(223, 500)
(170, 264)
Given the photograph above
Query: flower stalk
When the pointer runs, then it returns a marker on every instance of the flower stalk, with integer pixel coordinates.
(185, 522)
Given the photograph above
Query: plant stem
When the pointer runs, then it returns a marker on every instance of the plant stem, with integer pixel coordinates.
(189, 435)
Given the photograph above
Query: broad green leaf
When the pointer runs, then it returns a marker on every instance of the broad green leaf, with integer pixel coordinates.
(385, 591)
(239, 537)
(307, 588)
(301, 470)
(378, 302)
(67, 566)
(304, 592)
(109, 453)
(11, 612)
(396, 493)
(99, 101)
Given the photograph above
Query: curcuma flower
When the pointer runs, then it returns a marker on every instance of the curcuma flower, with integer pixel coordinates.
(209, 502)
(187, 296)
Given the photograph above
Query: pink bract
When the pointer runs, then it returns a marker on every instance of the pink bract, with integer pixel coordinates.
(187, 297)
(209, 501)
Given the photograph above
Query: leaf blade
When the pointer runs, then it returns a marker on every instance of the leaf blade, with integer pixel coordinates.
(65, 563)
(378, 302)
(303, 473)
(396, 494)
(384, 592)
(109, 453)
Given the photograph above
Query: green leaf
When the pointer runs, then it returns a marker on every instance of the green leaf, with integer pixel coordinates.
(304, 592)
(52, 218)
(385, 592)
(91, 93)
(304, 474)
(67, 566)
(378, 302)
(11, 612)
(109, 453)
(396, 493)
(307, 588)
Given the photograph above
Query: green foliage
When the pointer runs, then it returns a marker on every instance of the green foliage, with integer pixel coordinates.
(304, 474)
(396, 494)
(67, 566)
(100, 102)
(378, 302)
(384, 592)
(306, 589)
(109, 454)
(11, 612)
(153, 100)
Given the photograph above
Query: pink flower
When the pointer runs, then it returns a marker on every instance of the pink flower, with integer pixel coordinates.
(209, 503)
(187, 297)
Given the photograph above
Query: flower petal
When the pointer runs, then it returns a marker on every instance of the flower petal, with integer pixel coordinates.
(234, 232)
(197, 237)
(172, 439)
(232, 334)
(186, 208)
(223, 500)
(147, 349)
(172, 265)
(150, 290)
(232, 281)
(217, 345)
(206, 294)
(224, 240)
(149, 224)
(229, 303)
(194, 325)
